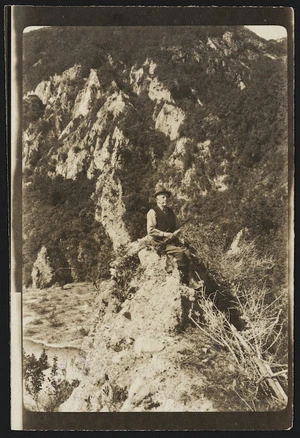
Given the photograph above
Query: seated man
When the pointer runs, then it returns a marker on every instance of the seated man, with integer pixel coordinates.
(162, 227)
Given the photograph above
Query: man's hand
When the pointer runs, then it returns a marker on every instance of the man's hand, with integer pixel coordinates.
(176, 233)
(171, 235)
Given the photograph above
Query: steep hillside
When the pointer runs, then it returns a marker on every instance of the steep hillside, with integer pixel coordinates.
(203, 109)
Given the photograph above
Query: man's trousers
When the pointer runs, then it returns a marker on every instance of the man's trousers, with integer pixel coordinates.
(182, 256)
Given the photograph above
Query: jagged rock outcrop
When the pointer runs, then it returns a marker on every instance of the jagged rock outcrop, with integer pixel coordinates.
(110, 208)
(42, 272)
(49, 268)
(169, 120)
(135, 351)
(86, 97)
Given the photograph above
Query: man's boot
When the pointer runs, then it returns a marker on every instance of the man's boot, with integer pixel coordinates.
(196, 284)
(184, 275)
(195, 281)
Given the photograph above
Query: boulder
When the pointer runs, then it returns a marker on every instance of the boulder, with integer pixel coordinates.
(43, 273)
(50, 268)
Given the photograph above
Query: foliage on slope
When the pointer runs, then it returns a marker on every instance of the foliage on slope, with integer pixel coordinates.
(53, 50)
(245, 128)
(59, 215)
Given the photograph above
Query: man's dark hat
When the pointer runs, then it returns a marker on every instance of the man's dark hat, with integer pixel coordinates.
(160, 189)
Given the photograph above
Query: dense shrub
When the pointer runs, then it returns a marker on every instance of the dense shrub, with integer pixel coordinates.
(55, 389)
(33, 109)
(261, 347)
(33, 373)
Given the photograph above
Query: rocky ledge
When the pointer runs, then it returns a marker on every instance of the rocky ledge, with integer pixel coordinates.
(133, 353)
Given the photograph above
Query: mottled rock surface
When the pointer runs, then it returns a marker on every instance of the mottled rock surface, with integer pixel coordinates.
(136, 351)
(49, 268)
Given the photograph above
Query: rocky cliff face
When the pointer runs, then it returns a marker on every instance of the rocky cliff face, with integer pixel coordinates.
(132, 358)
(183, 115)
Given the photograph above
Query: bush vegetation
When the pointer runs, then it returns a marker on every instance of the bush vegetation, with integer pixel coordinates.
(47, 392)
(261, 349)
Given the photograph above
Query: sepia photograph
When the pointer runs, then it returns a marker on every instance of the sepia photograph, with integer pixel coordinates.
(156, 219)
